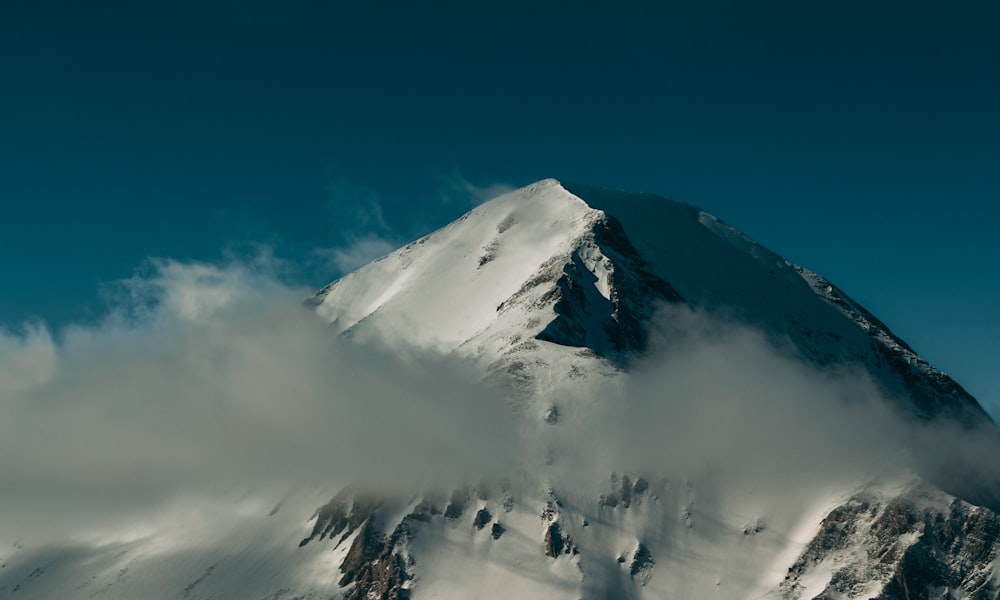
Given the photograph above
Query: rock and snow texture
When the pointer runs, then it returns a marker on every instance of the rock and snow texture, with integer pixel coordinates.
(549, 289)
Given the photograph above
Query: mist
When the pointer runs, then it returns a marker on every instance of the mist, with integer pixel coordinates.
(209, 382)
(213, 379)
(718, 401)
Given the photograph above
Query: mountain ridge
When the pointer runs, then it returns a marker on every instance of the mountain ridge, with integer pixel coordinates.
(600, 245)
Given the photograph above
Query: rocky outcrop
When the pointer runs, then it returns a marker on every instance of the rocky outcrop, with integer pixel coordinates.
(483, 517)
(642, 564)
(909, 547)
(342, 515)
(554, 543)
(604, 295)
(623, 490)
(375, 567)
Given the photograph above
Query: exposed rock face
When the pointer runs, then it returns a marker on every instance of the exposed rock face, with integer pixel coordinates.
(373, 567)
(483, 517)
(343, 514)
(554, 543)
(904, 547)
(642, 563)
(612, 323)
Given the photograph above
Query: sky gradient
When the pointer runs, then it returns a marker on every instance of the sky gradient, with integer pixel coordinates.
(857, 140)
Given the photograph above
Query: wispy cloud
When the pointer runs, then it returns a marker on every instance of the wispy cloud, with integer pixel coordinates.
(27, 359)
(365, 231)
(361, 205)
(356, 252)
(456, 188)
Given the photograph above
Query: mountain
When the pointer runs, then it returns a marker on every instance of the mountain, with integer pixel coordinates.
(556, 282)
(586, 267)
(560, 295)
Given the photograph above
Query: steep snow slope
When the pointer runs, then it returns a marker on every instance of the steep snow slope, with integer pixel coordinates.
(443, 289)
(551, 289)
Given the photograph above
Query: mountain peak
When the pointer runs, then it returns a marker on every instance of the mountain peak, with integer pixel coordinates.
(583, 268)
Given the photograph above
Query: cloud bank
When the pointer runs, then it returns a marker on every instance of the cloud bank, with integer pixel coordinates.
(205, 379)
(718, 399)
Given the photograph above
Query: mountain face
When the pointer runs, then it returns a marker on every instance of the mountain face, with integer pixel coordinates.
(553, 290)
(552, 281)
(586, 268)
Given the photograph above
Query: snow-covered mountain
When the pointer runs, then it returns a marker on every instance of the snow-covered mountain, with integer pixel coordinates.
(586, 267)
(554, 291)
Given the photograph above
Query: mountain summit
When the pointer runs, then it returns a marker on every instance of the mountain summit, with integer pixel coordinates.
(586, 267)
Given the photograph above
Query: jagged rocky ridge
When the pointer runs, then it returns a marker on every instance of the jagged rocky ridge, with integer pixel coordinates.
(922, 544)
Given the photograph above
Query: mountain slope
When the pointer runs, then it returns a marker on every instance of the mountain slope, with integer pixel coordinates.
(576, 307)
(587, 267)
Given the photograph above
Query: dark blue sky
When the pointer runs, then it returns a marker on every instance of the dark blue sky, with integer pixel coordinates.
(858, 139)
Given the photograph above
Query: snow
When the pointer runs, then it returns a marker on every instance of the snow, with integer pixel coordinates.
(233, 549)
(441, 290)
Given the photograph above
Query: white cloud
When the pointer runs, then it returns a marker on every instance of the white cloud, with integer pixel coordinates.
(212, 377)
(217, 377)
(27, 359)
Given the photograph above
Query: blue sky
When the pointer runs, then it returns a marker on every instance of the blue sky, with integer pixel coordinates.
(858, 139)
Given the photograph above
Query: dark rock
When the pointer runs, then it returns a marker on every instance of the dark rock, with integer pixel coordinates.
(554, 544)
(368, 546)
(913, 550)
(753, 528)
(641, 560)
(482, 518)
(613, 328)
(497, 530)
(344, 513)
(373, 565)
